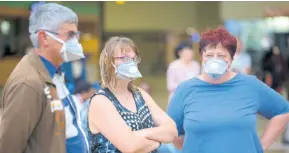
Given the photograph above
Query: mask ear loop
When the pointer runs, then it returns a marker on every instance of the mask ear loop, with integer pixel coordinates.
(229, 68)
(55, 38)
(115, 69)
(204, 68)
(61, 41)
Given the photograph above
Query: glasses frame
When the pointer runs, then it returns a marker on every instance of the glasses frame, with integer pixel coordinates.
(136, 59)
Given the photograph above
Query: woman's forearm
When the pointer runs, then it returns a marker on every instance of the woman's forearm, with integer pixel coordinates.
(144, 145)
(273, 130)
(163, 134)
(148, 146)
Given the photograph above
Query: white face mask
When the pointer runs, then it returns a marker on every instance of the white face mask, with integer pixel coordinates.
(128, 71)
(215, 68)
(71, 50)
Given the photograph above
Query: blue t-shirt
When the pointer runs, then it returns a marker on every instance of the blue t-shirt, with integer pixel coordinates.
(222, 118)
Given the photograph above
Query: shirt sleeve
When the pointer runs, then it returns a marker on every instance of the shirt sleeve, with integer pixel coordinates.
(271, 103)
(19, 116)
(176, 108)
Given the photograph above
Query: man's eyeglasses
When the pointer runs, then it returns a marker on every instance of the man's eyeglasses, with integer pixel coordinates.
(127, 59)
(72, 34)
(69, 34)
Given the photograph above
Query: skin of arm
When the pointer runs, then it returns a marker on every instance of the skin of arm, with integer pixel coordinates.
(179, 142)
(104, 118)
(273, 130)
(165, 130)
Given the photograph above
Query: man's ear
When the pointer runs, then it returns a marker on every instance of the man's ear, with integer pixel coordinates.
(42, 38)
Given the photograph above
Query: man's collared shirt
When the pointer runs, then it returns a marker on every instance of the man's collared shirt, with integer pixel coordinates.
(49, 66)
(75, 138)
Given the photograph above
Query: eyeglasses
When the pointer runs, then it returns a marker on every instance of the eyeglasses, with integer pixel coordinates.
(69, 34)
(127, 59)
(72, 34)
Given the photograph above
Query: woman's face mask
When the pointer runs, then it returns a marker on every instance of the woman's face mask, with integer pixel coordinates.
(215, 68)
(128, 70)
(71, 50)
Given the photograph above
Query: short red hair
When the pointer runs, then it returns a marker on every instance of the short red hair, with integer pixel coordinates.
(219, 36)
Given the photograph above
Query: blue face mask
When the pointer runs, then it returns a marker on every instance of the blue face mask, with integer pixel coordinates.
(71, 49)
(215, 68)
(128, 71)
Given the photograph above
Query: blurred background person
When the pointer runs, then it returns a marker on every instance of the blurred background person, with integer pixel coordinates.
(83, 91)
(216, 111)
(276, 74)
(81, 95)
(242, 62)
(123, 117)
(183, 68)
(75, 71)
(274, 65)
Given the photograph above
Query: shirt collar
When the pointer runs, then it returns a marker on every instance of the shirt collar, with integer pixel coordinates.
(49, 66)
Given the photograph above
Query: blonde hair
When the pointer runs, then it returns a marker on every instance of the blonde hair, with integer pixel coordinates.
(106, 60)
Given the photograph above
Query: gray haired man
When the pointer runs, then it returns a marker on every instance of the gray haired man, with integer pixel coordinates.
(32, 107)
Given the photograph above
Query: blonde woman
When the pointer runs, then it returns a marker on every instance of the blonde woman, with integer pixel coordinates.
(123, 117)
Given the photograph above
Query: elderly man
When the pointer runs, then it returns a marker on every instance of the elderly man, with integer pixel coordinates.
(35, 98)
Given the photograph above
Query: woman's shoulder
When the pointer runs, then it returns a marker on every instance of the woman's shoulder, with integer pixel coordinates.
(249, 80)
(175, 64)
(99, 92)
(100, 96)
(190, 84)
(186, 88)
(101, 102)
(196, 82)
